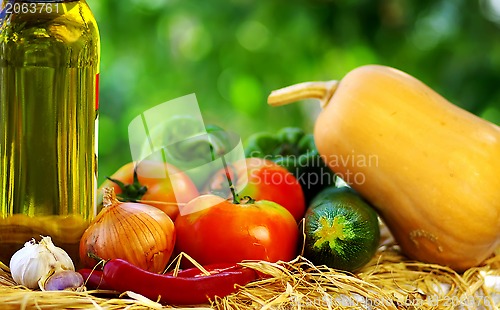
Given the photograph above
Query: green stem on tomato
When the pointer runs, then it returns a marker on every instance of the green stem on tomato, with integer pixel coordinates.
(230, 182)
(130, 192)
(235, 196)
(249, 200)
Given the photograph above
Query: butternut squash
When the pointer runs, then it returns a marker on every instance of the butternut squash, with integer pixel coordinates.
(430, 168)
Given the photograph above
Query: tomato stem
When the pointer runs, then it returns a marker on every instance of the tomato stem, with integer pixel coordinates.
(130, 192)
(248, 200)
(230, 182)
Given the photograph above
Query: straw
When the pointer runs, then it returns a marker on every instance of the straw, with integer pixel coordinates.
(389, 281)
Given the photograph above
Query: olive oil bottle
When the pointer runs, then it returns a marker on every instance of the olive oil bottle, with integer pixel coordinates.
(49, 72)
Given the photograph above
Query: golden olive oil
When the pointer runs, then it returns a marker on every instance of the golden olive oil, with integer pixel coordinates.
(49, 66)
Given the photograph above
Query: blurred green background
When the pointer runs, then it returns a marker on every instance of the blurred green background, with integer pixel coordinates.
(232, 53)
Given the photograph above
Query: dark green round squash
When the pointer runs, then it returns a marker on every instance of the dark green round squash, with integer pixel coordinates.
(341, 230)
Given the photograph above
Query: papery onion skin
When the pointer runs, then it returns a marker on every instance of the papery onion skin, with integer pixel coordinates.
(138, 233)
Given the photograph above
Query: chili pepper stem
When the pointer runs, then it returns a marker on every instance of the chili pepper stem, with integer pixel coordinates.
(97, 258)
(322, 90)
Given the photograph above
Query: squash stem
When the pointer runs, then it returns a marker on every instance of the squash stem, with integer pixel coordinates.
(322, 90)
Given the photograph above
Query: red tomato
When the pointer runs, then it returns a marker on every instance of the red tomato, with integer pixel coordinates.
(266, 181)
(214, 230)
(159, 191)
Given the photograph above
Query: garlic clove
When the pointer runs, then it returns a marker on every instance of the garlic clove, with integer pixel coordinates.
(66, 280)
(34, 270)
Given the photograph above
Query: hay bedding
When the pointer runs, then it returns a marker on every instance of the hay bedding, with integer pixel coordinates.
(389, 281)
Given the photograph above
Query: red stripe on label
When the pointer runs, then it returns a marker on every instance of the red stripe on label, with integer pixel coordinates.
(97, 92)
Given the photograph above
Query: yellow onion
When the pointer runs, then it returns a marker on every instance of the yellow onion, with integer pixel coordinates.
(138, 233)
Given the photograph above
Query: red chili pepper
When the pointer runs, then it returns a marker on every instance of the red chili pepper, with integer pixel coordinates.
(189, 289)
(94, 279)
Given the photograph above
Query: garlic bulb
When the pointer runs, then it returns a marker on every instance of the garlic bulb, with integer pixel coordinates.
(36, 261)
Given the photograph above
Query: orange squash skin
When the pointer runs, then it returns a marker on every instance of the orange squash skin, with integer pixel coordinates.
(431, 168)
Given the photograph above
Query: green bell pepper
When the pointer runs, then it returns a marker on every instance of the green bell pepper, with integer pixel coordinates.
(295, 150)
